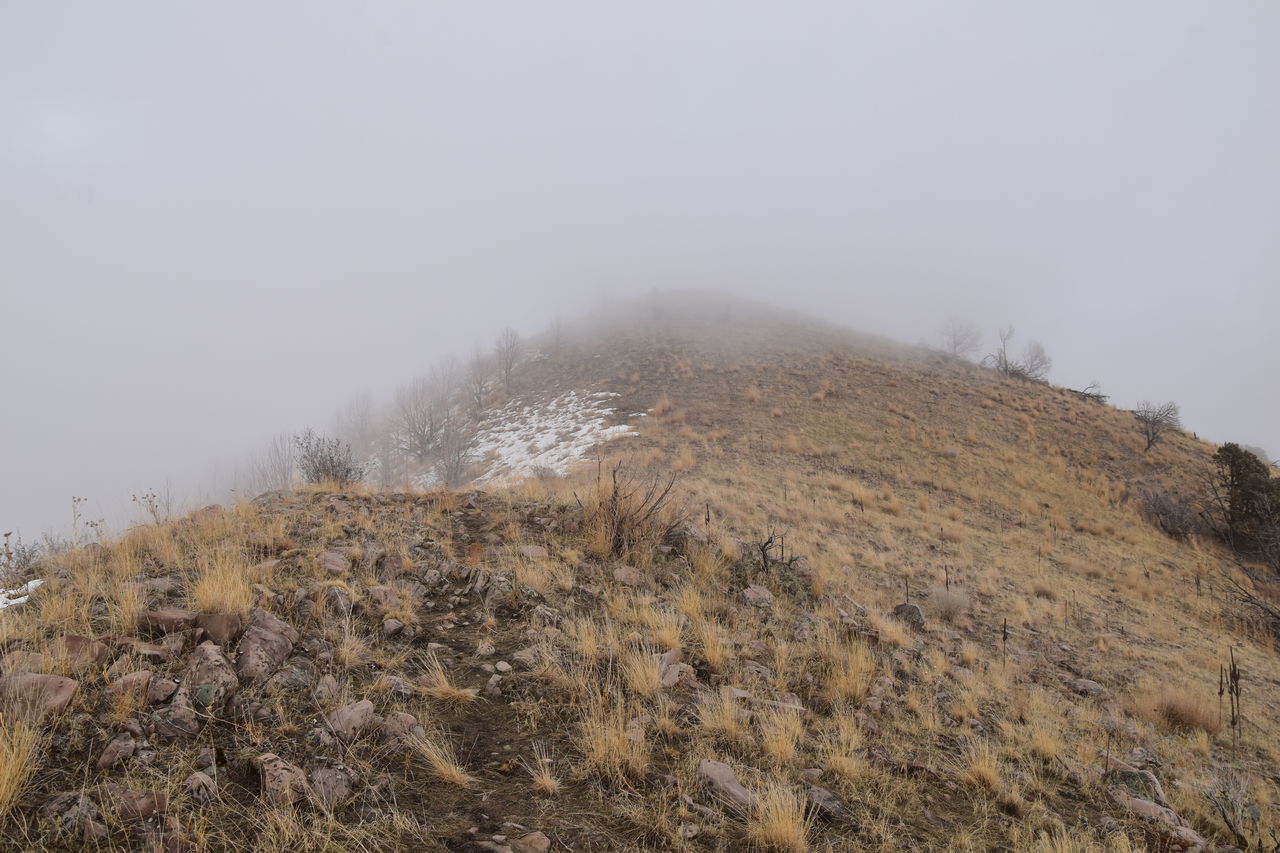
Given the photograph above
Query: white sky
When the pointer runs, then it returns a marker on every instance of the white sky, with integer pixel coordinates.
(219, 221)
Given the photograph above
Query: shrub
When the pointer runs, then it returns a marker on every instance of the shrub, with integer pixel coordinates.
(1157, 419)
(1176, 518)
(1244, 504)
(322, 459)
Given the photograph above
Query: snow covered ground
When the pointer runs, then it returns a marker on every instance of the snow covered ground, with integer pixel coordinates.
(14, 597)
(520, 441)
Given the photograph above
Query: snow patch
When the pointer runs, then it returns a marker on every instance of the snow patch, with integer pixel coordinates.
(20, 595)
(520, 441)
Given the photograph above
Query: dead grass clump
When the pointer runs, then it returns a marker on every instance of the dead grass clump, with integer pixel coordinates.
(752, 395)
(611, 746)
(435, 683)
(21, 745)
(981, 768)
(1174, 709)
(642, 672)
(222, 587)
(440, 756)
(542, 772)
(781, 733)
(663, 406)
(948, 604)
(778, 821)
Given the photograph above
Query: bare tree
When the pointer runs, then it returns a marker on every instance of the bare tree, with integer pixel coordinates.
(273, 466)
(477, 381)
(420, 412)
(1032, 367)
(960, 339)
(507, 350)
(454, 452)
(1156, 420)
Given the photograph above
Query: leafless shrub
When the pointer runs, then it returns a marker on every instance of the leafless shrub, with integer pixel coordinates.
(1032, 367)
(628, 519)
(322, 459)
(1176, 518)
(1157, 419)
(960, 339)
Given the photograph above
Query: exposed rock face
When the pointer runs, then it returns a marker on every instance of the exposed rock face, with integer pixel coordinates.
(37, 695)
(209, 680)
(167, 621)
(331, 785)
(282, 783)
(1085, 687)
(723, 784)
(263, 648)
(222, 628)
(347, 722)
(911, 614)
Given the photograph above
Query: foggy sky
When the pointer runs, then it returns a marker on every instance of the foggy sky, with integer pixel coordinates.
(221, 221)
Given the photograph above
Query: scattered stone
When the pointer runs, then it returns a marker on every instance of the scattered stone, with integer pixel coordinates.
(720, 779)
(222, 628)
(78, 652)
(757, 596)
(399, 725)
(347, 722)
(176, 721)
(167, 621)
(630, 576)
(332, 784)
(533, 552)
(828, 805)
(118, 749)
(333, 562)
(36, 694)
(327, 688)
(486, 649)
(74, 813)
(160, 689)
(492, 687)
(528, 657)
(910, 614)
(337, 601)
(1165, 820)
(391, 627)
(133, 805)
(299, 674)
(1085, 687)
(209, 680)
(502, 667)
(265, 645)
(534, 842)
(162, 586)
(282, 783)
(133, 685)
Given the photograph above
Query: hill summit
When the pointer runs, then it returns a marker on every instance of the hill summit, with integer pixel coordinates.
(732, 579)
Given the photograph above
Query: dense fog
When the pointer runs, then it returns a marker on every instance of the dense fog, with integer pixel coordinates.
(226, 222)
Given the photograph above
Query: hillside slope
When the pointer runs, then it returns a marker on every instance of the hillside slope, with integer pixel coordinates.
(891, 602)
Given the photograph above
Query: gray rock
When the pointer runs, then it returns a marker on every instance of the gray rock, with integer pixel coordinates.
(723, 784)
(910, 614)
(1085, 687)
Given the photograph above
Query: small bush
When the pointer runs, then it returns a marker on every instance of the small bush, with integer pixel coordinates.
(322, 460)
(949, 604)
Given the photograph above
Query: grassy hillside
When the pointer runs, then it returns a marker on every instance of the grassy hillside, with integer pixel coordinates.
(586, 670)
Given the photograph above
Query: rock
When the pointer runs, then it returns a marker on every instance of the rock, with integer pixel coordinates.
(721, 781)
(502, 667)
(202, 788)
(176, 721)
(533, 552)
(347, 722)
(1085, 687)
(209, 680)
(37, 695)
(630, 576)
(162, 586)
(133, 805)
(391, 627)
(398, 686)
(299, 674)
(911, 614)
(331, 785)
(333, 563)
(77, 651)
(327, 689)
(118, 749)
(528, 657)
(399, 725)
(263, 648)
(1164, 820)
(133, 685)
(534, 842)
(221, 628)
(828, 805)
(337, 602)
(866, 723)
(167, 621)
(486, 649)
(282, 783)
(757, 596)
(160, 689)
(1135, 782)
(492, 687)
(74, 813)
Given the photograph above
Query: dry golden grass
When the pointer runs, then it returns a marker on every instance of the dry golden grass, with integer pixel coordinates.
(435, 682)
(611, 747)
(542, 772)
(781, 733)
(641, 671)
(779, 821)
(1176, 709)
(21, 746)
(222, 586)
(441, 758)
